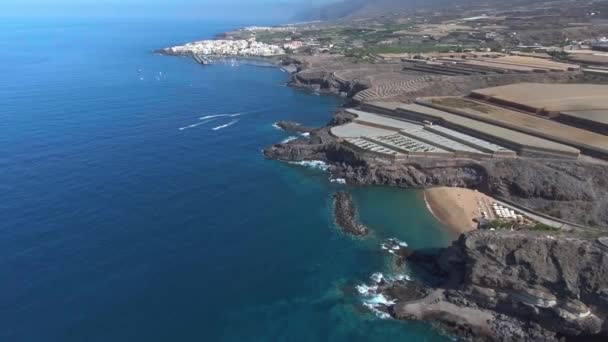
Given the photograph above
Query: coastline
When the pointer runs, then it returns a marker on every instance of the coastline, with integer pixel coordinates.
(454, 208)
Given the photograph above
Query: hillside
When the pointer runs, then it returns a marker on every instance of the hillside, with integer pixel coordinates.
(366, 8)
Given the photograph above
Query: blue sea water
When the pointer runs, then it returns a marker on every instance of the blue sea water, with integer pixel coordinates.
(124, 216)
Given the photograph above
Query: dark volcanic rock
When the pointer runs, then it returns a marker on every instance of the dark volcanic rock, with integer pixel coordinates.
(345, 214)
(419, 173)
(294, 127)
(405, 291)
(341, 118)
(570, 190)
(320, 146)
(398, 249)
(556, 286)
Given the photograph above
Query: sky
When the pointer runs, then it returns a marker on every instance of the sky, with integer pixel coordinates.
(196, 9)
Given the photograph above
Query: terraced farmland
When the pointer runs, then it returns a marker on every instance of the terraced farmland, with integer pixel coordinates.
(394, 89)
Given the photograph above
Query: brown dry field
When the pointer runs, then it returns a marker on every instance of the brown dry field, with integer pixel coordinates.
(536, 63)
(513, 137)
(527, 123)
(551, 97)
(589, 58)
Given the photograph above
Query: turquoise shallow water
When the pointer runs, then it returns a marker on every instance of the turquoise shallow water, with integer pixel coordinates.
(117, 225)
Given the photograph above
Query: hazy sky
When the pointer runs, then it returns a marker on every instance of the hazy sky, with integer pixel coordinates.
(221, 9)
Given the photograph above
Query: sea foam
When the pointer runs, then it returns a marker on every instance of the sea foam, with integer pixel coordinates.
(372, 296)
(288, 139)
(379, 299)
(365, 290)
(378, 313)
(314, 164)
(377, 277)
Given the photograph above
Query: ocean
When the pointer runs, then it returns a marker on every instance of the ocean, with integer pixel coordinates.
(137, 206)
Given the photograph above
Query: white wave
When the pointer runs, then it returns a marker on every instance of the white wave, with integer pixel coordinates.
(305, 135)
(366, 290)
(277, 126)
(379, 299)
(314, 164)
(195, 125)
(377, 277)
(398, 242)
(226, 125)
(288, 139)
(401, 277)
(374, 301)
(378, 313)
(338, 180)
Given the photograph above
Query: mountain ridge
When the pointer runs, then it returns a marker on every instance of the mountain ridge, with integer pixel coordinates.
(367, 8)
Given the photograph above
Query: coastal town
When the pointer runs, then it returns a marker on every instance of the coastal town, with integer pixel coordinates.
(227, 48)
(569, 29)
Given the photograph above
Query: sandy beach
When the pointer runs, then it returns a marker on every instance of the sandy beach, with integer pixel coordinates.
(457, 207)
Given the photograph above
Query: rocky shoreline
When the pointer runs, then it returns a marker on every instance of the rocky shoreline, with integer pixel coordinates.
(495, 286)
(575, 191)
(506, 286)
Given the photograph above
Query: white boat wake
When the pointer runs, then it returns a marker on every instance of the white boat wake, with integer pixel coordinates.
(208, 118)
(221, 116)
(226, 125)
(196, 124)
(232, 115)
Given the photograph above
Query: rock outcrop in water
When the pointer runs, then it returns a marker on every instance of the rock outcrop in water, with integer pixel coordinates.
(513, 286)
(345, 215)
(294, 127)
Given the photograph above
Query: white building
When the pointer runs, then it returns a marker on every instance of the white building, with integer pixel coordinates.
(229, 48)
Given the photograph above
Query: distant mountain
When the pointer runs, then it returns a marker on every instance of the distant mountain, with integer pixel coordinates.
(362, 8)
(344, 8)
(357, 8)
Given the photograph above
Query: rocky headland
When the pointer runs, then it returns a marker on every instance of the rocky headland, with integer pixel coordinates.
(493, 285)
(508, 286)
(381, 81)
(575, 191)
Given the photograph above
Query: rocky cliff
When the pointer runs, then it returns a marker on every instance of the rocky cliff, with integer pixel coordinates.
(574, 191)
(375, 84)
(505, 286)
